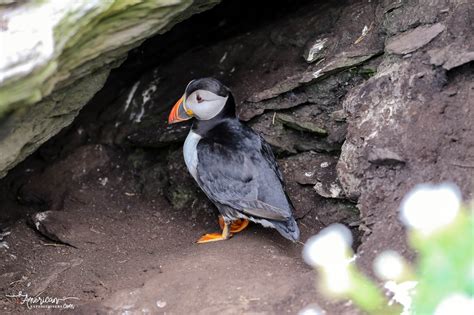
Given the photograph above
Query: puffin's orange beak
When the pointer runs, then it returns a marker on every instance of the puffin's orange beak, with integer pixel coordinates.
(179, 112)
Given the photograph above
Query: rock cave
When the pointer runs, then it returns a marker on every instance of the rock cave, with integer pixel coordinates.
(360, 101)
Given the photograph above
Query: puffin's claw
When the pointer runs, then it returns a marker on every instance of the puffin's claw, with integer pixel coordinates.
(236, 226)
(214, 237)
(227, 231)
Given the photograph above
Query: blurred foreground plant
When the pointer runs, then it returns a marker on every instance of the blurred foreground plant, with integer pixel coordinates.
(440, 229)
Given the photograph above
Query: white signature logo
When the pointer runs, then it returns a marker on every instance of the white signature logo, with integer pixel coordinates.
(43, 301)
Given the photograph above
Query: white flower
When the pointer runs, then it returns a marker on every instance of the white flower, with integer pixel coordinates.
(456, 303)
(337, 277)
(428, 207)
(328, 248)
(389, 265)
(402, 293)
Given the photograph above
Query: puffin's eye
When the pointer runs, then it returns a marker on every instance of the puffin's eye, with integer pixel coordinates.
(199, 98)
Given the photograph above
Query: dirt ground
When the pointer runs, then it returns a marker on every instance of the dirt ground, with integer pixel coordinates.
(131, 253)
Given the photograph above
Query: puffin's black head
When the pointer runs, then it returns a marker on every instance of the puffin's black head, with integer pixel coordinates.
(205, 99)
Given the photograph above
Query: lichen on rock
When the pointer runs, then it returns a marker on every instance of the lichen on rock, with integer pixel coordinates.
(49, 46)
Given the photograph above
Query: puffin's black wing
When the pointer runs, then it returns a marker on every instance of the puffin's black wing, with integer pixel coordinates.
(270, 158)
(236, 168)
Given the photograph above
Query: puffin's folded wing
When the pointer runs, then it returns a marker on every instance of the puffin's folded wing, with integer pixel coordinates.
(261, 209)
(242, 179)
(269, 157)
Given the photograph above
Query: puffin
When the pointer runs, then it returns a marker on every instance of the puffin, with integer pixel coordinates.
(231, 163)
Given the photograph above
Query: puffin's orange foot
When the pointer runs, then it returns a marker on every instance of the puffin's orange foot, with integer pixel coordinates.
(213, 237)
(236, 226)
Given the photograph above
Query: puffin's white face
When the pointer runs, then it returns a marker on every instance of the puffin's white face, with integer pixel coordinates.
(203, 98)
(204, 105)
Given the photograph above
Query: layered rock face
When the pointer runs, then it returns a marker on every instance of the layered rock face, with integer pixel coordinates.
(55, 55)
(412, 121)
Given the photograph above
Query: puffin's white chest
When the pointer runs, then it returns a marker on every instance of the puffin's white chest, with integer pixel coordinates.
(190, 152)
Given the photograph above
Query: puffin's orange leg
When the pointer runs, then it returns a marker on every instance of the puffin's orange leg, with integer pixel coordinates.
(214, 237)
(236, 226)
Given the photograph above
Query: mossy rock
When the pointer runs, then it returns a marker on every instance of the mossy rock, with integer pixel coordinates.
(59, 55)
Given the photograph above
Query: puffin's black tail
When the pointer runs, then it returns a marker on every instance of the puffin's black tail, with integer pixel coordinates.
(288, 229)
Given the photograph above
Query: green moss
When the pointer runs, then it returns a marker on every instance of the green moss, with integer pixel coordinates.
(181, 197)
(102, 31)
(90, 38)
(292, 122)
(364, 72)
